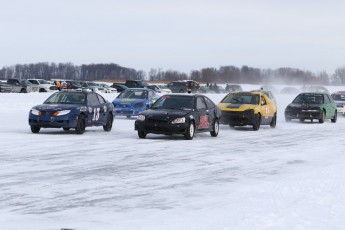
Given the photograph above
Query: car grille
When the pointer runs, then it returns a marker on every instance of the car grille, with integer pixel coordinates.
(157, 120)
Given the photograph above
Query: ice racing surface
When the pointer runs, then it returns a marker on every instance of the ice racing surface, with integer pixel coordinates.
(290, 177)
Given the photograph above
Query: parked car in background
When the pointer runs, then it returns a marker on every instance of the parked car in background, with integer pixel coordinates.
(289, 90)
(136, 84)
(269, 88)
(74, 85)
(107, 88)
(72, 109)
(182, 86)
(339, 99)
(5, 88)
(248, 108)
(180, 114)
(43, 85)
(312, 106)
(314, 89)
(94, 87)
(132, 101)
(233, 88)
(119, 87)
(158, 89)
(21, 86)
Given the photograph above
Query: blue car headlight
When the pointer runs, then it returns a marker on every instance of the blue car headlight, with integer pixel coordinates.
(35, 112)
(138, 105)
(61, 113)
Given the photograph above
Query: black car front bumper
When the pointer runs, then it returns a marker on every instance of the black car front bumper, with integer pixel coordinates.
(303, 114)
(160, 127)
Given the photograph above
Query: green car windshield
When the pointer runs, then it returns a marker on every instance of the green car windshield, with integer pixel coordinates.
(339, 97)
(66, 98)
(309, 99)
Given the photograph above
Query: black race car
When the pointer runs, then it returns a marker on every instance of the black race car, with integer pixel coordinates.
(72, 109)
(180, 114)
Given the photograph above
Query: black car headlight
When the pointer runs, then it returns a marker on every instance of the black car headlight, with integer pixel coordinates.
(179, 120)
(141, 117)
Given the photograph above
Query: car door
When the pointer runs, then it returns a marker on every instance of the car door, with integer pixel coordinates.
(94, 109)
(104, 110)
(203, 116)
(265, 110)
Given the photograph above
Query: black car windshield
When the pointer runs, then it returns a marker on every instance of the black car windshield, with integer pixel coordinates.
(174, 102)
(66, 98)
(309, 99)
(134, 94)
(339, 97)
(245, 99)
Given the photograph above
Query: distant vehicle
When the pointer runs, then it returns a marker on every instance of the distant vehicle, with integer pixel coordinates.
(290, 90)
(158, 89)
(182, 86)
(248, 108)
(314, 89)
(216, 89)
(119, 87)
(43, 85)
(76, 85)
(107, 88)
(136, 84)
(269, 88)
(269, 94)
(180, 114)
(72, 109)
(339, 98)
(21, 86)
(94, 87)
(5, 88)
(233, 88)
(132, 101)
(312, 106)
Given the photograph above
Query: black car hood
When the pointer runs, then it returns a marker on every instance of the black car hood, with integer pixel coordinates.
(165, 113)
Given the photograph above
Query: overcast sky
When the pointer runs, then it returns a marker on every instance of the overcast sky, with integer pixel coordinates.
(178, 35)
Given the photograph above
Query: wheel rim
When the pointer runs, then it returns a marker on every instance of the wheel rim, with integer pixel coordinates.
(191, 130)
(216, 127)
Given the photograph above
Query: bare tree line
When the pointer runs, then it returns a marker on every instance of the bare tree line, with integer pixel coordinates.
(223, 74)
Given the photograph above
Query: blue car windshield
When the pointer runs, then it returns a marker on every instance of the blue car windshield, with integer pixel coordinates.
(66, 98)
(134, 94)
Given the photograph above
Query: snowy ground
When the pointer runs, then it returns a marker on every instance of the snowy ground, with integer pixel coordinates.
(291, 177)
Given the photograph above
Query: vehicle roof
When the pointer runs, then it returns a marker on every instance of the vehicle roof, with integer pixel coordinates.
(184, 94)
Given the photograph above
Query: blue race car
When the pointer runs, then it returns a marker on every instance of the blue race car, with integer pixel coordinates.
(72, 109)
(132, 101)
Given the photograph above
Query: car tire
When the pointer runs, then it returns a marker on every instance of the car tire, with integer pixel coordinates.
(109, 124)
(23, 91)
(335, 118)
(273, 123)
(287, 119)
(142, 134)
(65, 128)
(42, 90)
(323, 116)
(35, 129)
(81, 125)
(215, 128)
(301, 119)
(257, 124)
(128, 116)
(190, 131)
(231, 126)
(181, 91)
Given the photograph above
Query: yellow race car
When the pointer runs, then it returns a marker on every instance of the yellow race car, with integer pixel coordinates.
(248, 108)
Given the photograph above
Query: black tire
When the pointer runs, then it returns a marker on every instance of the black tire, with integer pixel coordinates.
(23, 91)
(128, 116)
(323, 117)
(190, 132)
(181, 91)
(257, 124)
(231, 126)
(42, 90)
(335, 118)
(142, 134)
(301, 119)
(35, 129)
(215, 128)
(273, 123)
(287, 119)
(81, 125)
(107, 127)
(66, 129)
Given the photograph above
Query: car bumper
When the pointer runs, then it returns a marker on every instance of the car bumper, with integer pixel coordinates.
(303, 115)
(52, 122)
(238, 118)
(160, 127)
(341, 110)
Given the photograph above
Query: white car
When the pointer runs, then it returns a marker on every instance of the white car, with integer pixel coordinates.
(43, 85)
(159, 89)
(107, 88)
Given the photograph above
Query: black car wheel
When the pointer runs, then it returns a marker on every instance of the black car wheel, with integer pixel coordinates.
(190, 132)
(80, 129)
(42, 90)
(334, 120)
(128, 116)
(181, 91)
(215, 128)
(301, 119)
(107, 127)
(322, 119)
(273, 123)
(287, 119)
(23, 91)
(66, 129)
(35, 129)
(142, 134)
(257, 124)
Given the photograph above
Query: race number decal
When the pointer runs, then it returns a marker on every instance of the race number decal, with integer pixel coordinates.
(95, 114)
(203, 122)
